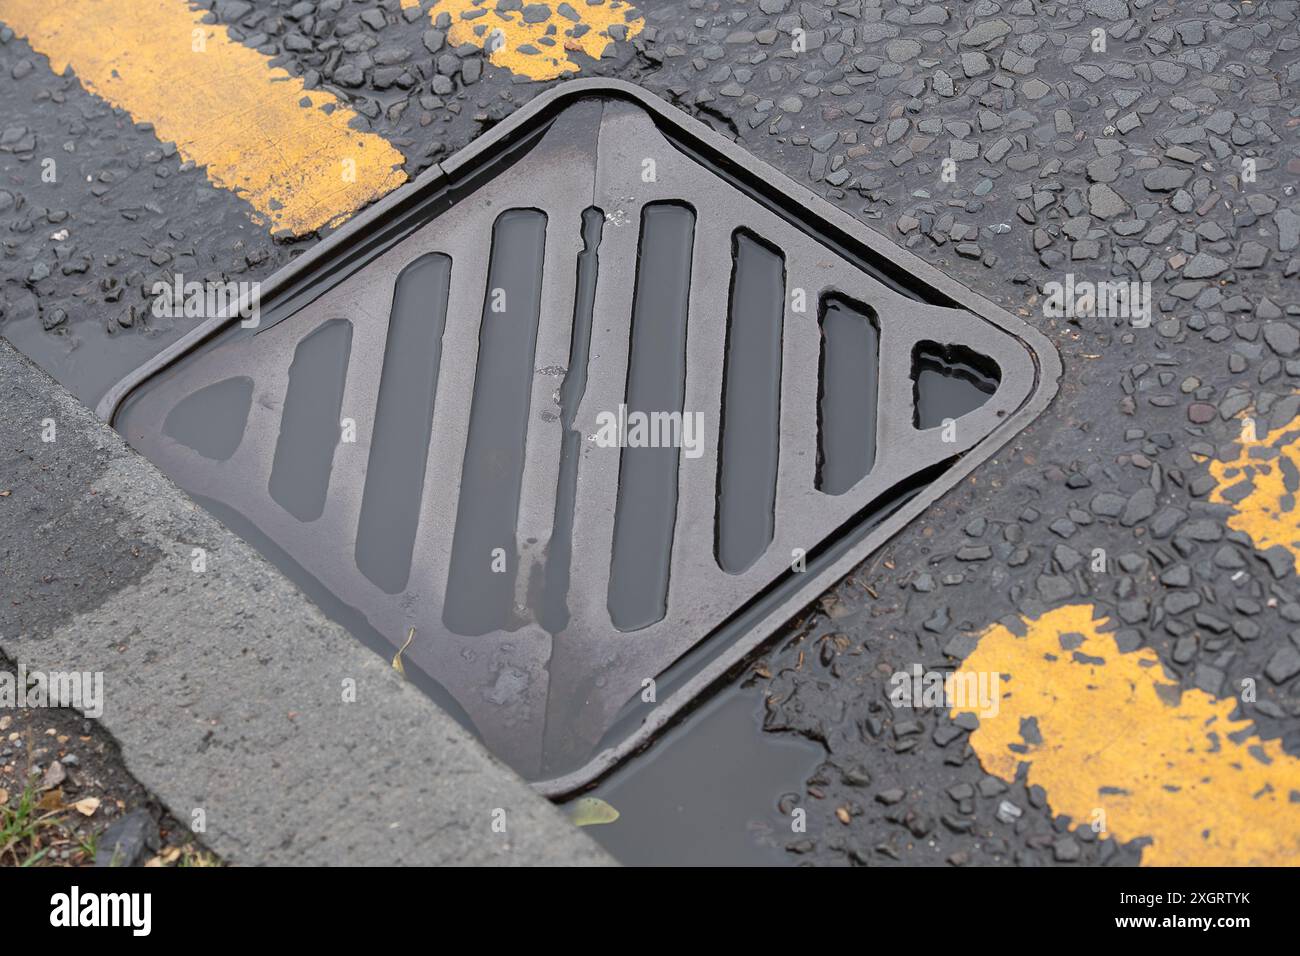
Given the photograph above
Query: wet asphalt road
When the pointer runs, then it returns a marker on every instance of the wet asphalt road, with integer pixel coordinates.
(1126, 162)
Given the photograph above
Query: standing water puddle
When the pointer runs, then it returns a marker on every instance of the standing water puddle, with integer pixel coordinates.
(706, 794)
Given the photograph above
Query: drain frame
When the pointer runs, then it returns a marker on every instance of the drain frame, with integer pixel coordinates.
(407, 209)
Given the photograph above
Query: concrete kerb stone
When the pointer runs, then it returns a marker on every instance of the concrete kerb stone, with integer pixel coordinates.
(225, 688)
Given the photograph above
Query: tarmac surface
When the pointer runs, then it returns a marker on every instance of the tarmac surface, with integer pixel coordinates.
(1128, 564)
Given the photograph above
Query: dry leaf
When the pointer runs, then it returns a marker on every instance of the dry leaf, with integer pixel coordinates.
(592, 811)
(87, 806)
(51, 800)
(397, 658)
(4, 796)
(54, 775)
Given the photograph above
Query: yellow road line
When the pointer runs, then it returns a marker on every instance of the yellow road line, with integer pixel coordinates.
(1117, 745)
(1255, 484)
(538, 48)
(256, 128)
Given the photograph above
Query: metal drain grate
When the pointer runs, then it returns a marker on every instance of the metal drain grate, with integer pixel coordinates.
(624, 399)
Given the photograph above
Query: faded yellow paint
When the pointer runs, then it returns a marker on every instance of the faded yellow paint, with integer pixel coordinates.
(1115, 736)
(256, 128)
(1267, 511)
(539, 51)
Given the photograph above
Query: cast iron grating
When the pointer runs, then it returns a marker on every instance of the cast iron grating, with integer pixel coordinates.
(599, 266)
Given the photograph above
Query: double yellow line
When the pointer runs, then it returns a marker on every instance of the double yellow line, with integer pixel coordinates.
(1122, 748)
(292, 153)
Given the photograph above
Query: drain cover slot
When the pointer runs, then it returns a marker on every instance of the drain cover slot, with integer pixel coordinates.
(614, 388)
